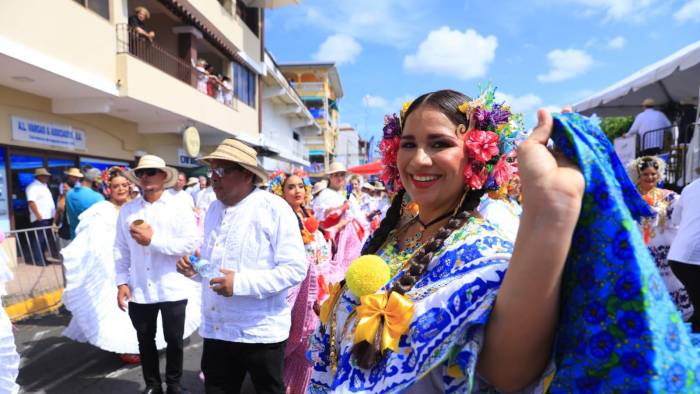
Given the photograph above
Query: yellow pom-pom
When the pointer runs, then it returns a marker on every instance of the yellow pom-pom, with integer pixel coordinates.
(367, 274)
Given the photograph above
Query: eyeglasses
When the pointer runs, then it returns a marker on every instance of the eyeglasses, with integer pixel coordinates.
(221, 171)
(146, 171)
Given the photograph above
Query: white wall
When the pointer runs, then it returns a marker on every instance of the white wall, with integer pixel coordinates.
(347, 149)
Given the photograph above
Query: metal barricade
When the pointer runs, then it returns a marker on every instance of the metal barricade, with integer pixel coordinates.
(37, 266)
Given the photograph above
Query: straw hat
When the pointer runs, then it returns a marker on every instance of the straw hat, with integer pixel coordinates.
(319, 186)
(378, 186)
(152, 161)
(237, 152)
(41, 171)
(74, 172)
(336, 167)
(648, 102)
(367, 186)
(191, 181)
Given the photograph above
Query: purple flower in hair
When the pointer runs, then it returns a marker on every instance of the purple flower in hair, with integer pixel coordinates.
(499, 114)
(392, 126)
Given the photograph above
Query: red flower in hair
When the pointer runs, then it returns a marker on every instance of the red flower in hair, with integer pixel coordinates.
(475, 174)
(481, 145)
(389, 148)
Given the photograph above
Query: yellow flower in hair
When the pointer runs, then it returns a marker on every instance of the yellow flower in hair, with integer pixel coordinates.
(464, 107)
(405, 106)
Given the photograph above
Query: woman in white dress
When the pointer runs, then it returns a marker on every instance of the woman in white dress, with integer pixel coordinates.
(90, 280)
(9, 359)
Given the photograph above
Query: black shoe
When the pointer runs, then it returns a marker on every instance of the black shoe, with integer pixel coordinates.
(153, 390)
(177, 390)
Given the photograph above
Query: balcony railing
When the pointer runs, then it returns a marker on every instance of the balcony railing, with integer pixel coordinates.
(308, 86)
(129, 41)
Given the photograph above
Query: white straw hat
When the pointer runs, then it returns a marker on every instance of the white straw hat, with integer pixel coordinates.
(336, 167)
(74, 172)
(152, 161)
(191, 181)
(41, 171)
(237, 152)
(319, 187)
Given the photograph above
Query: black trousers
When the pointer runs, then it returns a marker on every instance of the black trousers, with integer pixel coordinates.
(144, 317)
(689, 275)
(225, 365)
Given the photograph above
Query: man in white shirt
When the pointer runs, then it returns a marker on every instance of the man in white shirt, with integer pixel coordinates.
(253, 237)
(684, 255)
(178, 190)
(153, 231)
(653, 121)
(42, 210)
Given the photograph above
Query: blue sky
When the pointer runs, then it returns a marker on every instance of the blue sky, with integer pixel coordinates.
(539, 53)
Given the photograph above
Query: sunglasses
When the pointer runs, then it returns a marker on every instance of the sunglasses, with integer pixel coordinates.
(221, 171)
(146, 171)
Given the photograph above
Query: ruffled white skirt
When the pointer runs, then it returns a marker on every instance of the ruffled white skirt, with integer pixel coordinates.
(9, 359)
(91, 294)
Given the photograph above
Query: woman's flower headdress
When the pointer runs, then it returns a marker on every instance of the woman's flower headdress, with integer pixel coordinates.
(278, 177)
(491, 133)
(636, 166)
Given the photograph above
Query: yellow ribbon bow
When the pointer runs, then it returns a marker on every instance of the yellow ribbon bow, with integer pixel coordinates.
(327, 306)
(396, 310)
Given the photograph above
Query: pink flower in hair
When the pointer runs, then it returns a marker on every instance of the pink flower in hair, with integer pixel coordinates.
(475, 174)
(503, 170)
(481, 145)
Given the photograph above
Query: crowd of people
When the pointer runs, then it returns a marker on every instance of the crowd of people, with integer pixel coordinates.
(448, 275)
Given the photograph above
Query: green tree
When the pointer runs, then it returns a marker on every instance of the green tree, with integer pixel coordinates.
(616, 126)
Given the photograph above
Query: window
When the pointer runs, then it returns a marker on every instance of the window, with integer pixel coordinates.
(244, 84)
(249, 16)
(101, 7)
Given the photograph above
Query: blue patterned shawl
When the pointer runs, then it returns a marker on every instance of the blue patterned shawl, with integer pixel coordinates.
(619, 331)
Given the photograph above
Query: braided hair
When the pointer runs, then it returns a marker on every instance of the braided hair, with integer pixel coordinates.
(447, 102)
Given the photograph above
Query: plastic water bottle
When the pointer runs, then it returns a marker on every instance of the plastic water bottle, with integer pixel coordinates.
(204, 268)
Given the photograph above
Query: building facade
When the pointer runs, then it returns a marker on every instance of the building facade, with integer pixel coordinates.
(285, 122)
(79, 87)
(348, 147)
(319, 86)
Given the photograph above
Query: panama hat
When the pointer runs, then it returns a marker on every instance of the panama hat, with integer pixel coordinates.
(319, 187)
(368, 186)
(152, 161)
(74, 172)
(378, 186)
(41, 171)
(648, 102)
(336, 167)
(237, 152)
(191, 181)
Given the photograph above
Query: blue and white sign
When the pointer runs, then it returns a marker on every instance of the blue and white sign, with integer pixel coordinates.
(49, 134)
(184, 159)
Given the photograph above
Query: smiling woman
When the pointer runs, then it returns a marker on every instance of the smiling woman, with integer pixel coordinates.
(447, 264)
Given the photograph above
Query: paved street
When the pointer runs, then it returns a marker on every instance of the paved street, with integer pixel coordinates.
(52, 363)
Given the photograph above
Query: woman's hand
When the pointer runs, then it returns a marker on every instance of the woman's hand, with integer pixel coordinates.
(550, 182)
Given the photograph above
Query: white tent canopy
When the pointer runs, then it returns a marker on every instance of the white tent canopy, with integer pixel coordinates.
(673, 79)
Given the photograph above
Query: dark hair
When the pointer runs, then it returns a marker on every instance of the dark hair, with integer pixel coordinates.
(115, 172)
(447, 102)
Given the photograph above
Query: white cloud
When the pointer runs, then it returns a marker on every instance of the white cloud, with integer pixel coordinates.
(388, 22)
(617, 10)
(566, 64)
(370, 101)
(689, 12)
(338, 48)
(617, 42)
(448, 52)
(522, 104)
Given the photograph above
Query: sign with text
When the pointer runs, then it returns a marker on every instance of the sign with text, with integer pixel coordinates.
(48, 134)
(184, 159)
